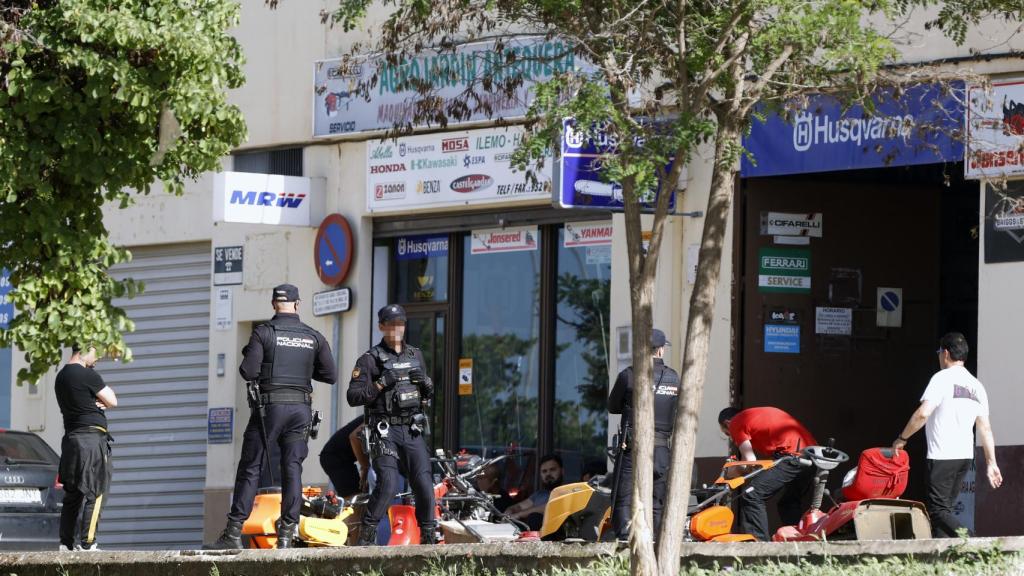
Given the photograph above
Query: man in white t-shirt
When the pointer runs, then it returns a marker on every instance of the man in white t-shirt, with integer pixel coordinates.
(952, 405)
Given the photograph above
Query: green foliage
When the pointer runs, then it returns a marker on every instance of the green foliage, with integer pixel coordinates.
(84, 86)
(960, 560)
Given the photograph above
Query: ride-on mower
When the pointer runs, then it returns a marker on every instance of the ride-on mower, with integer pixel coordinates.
(872, 510)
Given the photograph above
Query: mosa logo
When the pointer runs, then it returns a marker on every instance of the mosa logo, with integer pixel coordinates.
(278, 199)
(455, 145)
(472, 183)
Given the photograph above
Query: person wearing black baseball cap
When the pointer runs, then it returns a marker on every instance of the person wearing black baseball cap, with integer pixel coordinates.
(620, 401)
(390, 382)
(283, 356)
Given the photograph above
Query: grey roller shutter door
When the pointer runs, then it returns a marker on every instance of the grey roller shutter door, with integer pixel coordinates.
(159, 426)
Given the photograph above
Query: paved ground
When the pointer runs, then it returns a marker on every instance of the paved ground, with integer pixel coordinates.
(401, 560)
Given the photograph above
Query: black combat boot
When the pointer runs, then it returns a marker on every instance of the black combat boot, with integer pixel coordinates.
(367, 535)
(428, 534)
(285, 534)
(230, 538)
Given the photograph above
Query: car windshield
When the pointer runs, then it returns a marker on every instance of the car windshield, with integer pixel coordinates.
(25, 449)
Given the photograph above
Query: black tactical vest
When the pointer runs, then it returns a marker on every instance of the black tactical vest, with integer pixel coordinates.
(666, 393)
(288, 358)
(404, 398)
(666, 396)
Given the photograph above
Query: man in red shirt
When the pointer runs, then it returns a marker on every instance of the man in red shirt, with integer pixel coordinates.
(769, 433)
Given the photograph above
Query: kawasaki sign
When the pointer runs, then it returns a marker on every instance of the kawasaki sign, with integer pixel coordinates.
(784, 270)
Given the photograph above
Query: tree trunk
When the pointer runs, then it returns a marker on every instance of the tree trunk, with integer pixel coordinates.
(695, 359)
(641, 296)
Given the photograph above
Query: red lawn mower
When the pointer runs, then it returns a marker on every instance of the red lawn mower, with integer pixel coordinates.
(872, 508)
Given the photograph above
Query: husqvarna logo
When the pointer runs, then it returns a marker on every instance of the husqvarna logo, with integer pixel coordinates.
(814, 130)
(803, 128)
(256, 198)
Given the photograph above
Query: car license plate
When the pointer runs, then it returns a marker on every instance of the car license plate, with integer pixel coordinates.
(20, 496)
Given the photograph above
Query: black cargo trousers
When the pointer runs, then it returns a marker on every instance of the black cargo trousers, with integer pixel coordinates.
(85, 472)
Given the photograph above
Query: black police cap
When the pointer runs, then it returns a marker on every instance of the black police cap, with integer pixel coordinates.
(391, 312)
(285, 293)
(658, 339)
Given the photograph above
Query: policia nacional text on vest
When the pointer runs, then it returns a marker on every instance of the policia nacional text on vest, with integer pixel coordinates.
(390, 382)
(282, 358)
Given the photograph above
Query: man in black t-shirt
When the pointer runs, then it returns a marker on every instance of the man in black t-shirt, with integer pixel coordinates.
(85, 449)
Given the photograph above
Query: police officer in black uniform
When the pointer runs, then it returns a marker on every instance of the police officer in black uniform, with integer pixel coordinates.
(620, 401)
(282, 357)
(390, 382)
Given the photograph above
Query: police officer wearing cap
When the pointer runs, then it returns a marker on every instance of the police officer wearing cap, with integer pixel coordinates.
(620, 401)
(390, 382)
(282, 357)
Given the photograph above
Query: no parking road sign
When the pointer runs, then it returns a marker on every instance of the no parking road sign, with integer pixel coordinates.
(889, 305)
(333, 250)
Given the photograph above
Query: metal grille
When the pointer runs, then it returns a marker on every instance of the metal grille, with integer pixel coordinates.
(287, 162)
(156, 500)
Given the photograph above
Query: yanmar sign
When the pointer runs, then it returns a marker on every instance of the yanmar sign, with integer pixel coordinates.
(264, 199)
(588, 234)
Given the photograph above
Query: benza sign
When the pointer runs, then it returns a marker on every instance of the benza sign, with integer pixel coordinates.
(784, 270)
(262, 199)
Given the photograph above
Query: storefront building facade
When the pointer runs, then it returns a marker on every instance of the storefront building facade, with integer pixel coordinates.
(520, 304)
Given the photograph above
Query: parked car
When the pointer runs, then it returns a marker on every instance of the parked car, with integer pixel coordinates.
(30, 493)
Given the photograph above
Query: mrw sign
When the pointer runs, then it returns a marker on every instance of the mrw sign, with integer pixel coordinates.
(784, 270)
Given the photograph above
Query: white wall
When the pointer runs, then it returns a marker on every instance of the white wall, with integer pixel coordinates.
(1000, 318)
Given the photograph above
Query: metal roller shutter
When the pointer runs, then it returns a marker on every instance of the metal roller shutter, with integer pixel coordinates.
(159, 426)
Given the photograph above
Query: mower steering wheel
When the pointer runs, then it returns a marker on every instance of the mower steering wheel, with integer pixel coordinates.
(824, 457)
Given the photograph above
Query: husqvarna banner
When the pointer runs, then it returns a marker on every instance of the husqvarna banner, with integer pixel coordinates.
(449, 169)
(266, 199)
(995, 130)
(923, 125)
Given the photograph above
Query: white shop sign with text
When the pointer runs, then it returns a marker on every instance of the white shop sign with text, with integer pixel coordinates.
(463, 168)
(339, 109)
(579, 234)
(511, 239)
(995, 130)
(252, 198)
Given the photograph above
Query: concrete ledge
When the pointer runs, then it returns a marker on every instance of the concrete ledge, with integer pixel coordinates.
(398, 561)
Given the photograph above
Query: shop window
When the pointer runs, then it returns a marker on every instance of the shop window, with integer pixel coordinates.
(583, 286)
(499, 408)
(421, 268)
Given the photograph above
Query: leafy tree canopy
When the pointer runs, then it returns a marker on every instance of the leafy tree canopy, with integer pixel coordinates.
(98, 98)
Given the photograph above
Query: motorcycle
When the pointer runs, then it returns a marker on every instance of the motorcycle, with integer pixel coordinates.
(464, 513)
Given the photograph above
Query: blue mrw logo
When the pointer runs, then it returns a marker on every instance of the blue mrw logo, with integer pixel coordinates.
(282, 200)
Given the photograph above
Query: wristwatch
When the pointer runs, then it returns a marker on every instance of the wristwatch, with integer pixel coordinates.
(902, 439)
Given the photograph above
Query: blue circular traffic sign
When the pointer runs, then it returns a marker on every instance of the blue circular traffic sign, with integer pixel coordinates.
(890, 301)
(333, 249)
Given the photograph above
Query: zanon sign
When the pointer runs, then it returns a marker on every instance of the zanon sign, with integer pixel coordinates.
(264, 199)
